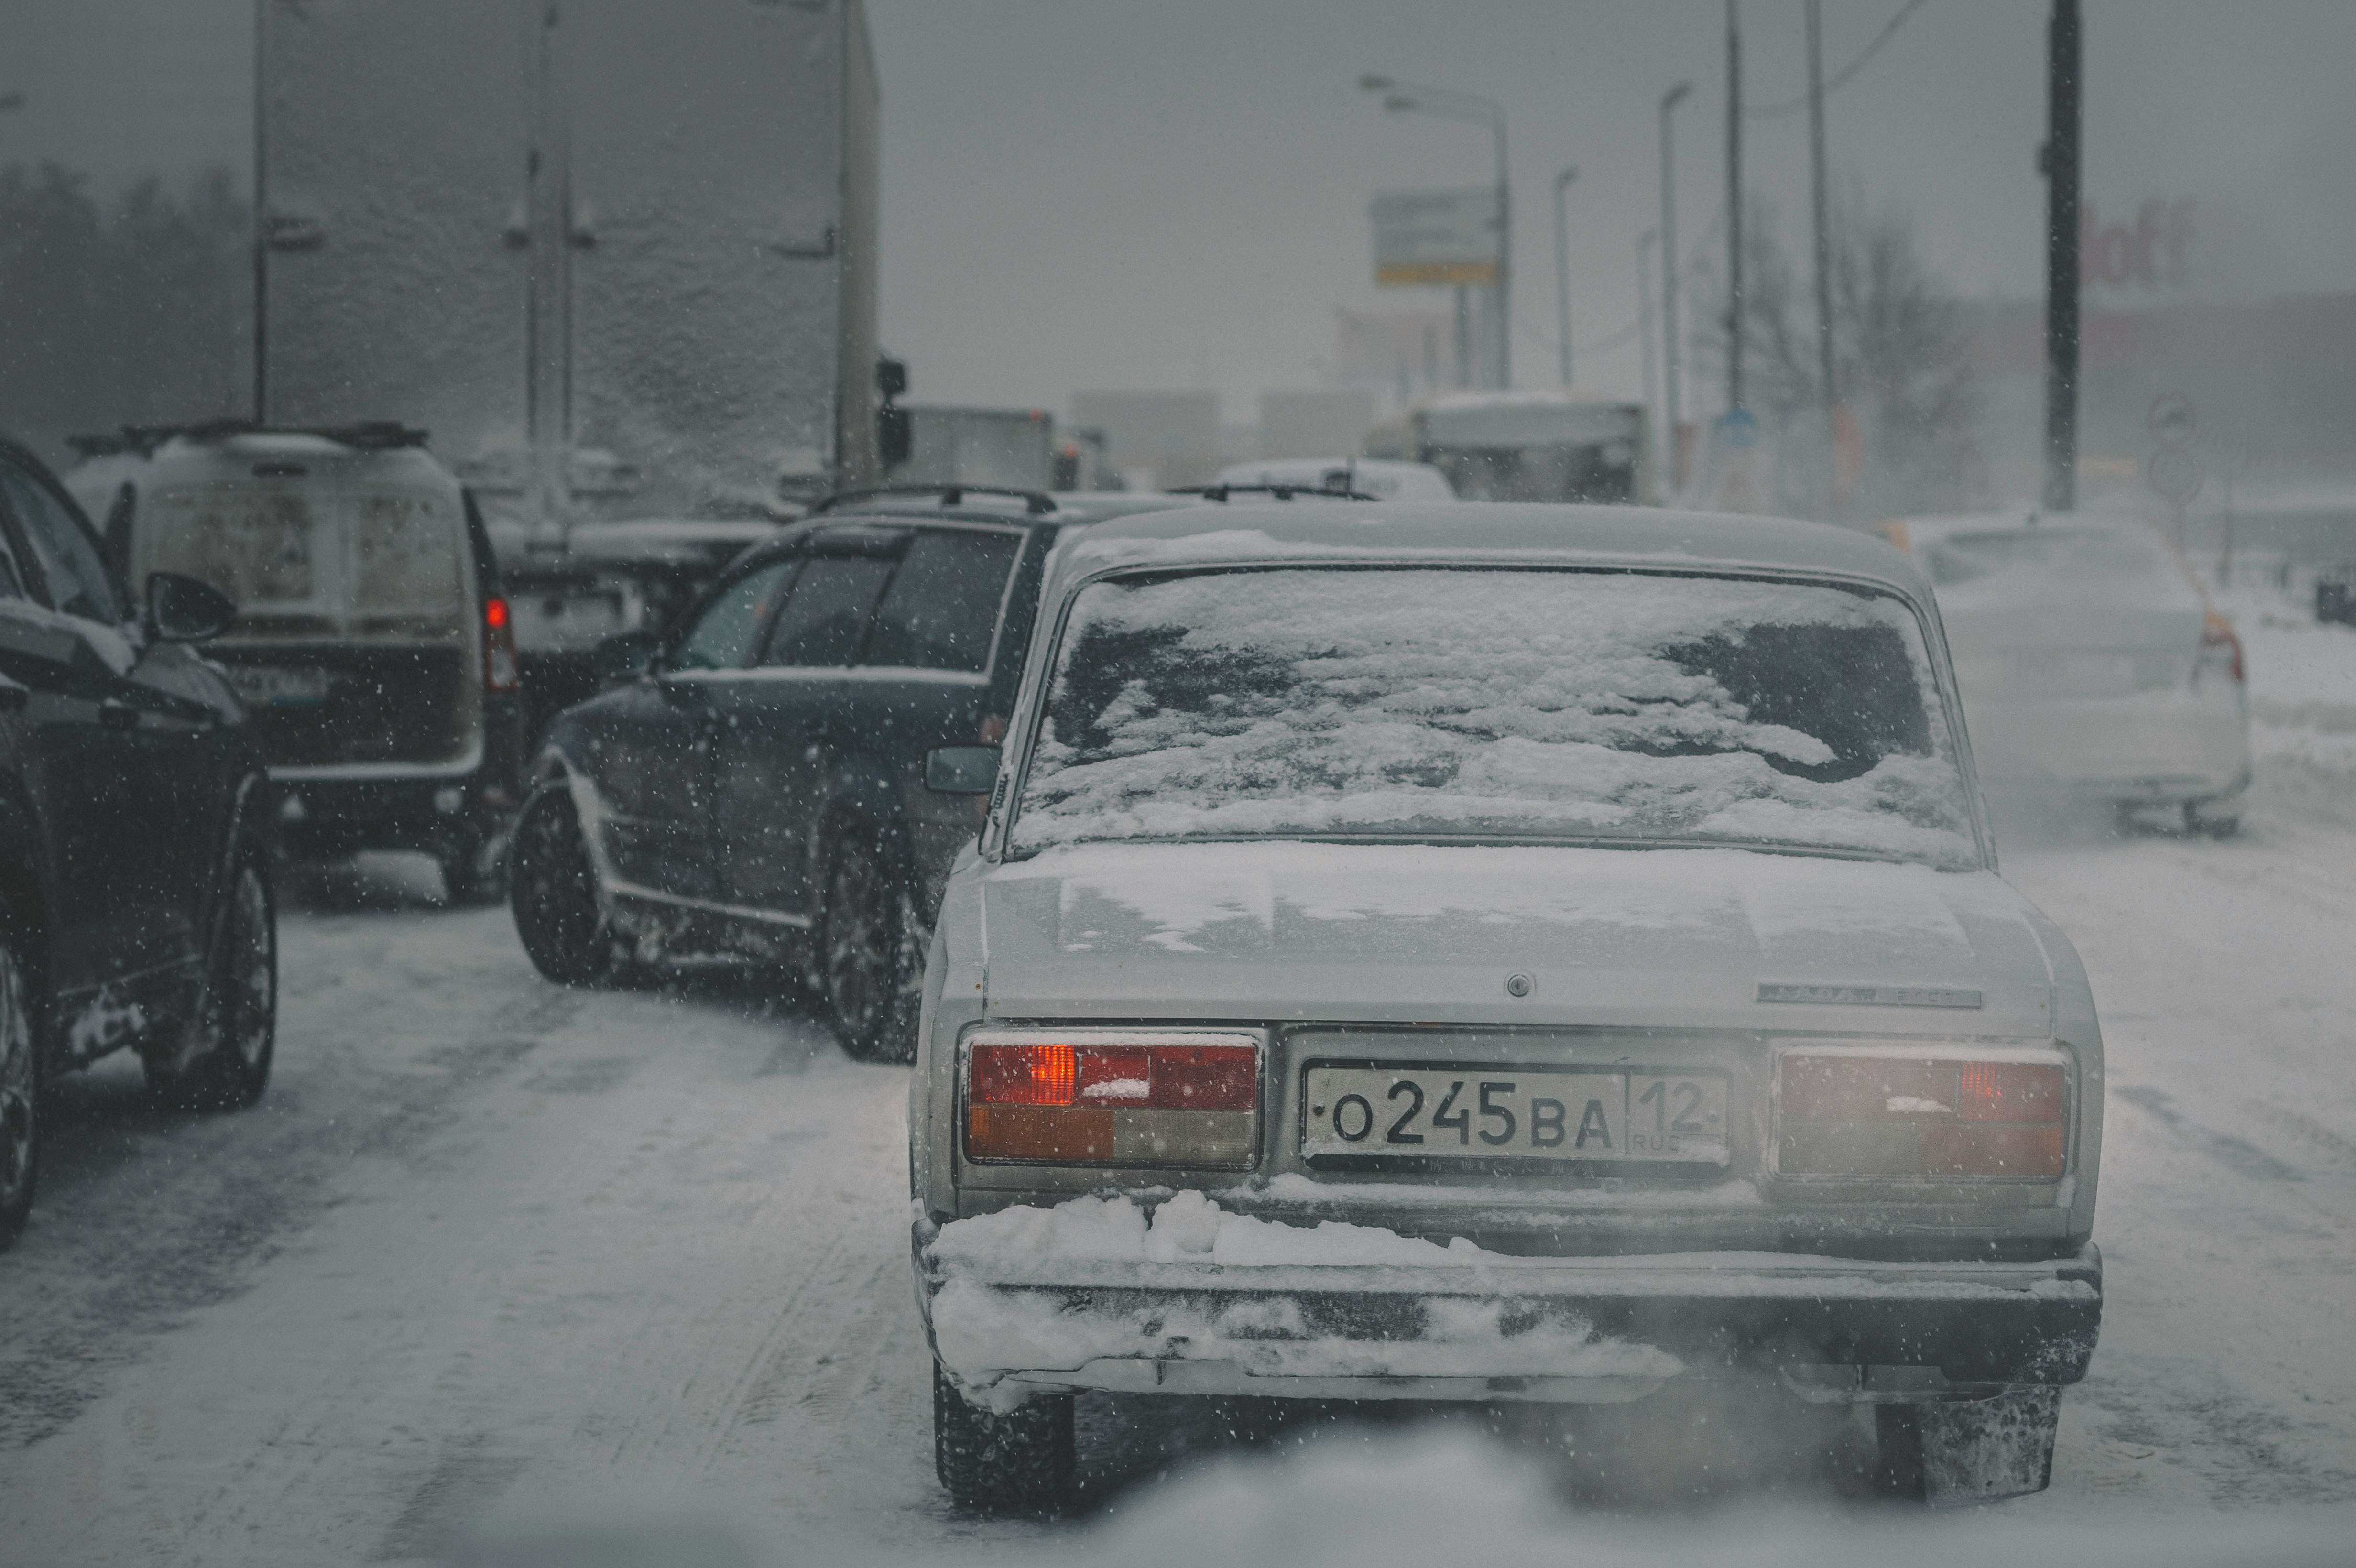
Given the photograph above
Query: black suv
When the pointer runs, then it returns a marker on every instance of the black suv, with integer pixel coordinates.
(757, 786)
(135, 907)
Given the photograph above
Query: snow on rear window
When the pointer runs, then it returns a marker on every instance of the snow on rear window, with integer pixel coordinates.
(404, 554)
(1494, 703)
(255, 543)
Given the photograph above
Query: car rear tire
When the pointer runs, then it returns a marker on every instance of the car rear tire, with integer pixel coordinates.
(20, 1084)
(1970, 1452)
(223, 1063)
(553, 890)
(1021, 1462)
(870, 976)
(473, 870)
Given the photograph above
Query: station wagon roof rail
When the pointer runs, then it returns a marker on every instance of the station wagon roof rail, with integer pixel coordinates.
(1038, 502)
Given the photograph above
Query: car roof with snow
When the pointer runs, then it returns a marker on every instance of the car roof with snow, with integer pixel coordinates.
(1500, 531)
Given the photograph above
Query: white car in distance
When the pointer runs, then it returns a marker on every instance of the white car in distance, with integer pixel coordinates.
(1523, 952)
(2091, 662)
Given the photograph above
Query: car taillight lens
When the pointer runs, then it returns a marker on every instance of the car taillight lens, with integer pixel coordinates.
(2220, 650)
(1876, 1115)
(501, 670)
(1112, 1097)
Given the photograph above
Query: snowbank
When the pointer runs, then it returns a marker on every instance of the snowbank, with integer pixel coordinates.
(2302, 676)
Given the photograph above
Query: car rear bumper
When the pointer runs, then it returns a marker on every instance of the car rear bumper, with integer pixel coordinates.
(2159, 749)
(1572, 1329)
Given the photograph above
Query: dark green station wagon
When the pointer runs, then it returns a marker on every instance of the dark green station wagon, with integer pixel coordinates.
(755, 786)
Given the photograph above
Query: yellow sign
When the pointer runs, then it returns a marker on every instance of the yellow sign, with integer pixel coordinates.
(1414, 272)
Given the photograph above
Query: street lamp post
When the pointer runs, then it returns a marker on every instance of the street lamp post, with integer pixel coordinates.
(1562, 268)
(1406, 96)
(1644, 243)
(1669, 100)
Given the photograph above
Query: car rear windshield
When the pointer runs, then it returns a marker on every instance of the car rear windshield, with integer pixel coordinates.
(2047, 553)
(1495, 704)
(370, 562)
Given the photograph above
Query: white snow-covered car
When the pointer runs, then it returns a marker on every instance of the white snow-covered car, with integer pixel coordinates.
(1530, 952)
(2091, 662)
(1386, 479)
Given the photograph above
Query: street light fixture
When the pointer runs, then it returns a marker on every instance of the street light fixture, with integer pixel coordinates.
(1401, 97)
(1562, 268)
(1669, 100)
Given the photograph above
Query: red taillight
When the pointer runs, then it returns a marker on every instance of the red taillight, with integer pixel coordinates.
(2221, 649)
(501, 671)
(993, 728)
(1871, 1115)
(1023, 1075)
(1142, 1098)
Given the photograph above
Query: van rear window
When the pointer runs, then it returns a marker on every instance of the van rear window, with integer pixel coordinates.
(404, 555)
(255, 543)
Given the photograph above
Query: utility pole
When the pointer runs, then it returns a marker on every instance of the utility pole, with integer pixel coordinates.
(1463, 337)
(1644, 243)
(1669, 100)
(1823, 232)
(1733, 209)
(1562, 266)
(2059, 162)
(260, 219)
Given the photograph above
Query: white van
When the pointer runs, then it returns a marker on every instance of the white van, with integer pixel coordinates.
(372, 647)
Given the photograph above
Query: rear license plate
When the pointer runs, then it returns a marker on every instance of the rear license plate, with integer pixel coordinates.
(269, 686)
(1494, 1114)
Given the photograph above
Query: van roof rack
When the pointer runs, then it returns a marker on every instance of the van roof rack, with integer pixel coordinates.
(1220, 493)
(1037, 502)
(366, 435)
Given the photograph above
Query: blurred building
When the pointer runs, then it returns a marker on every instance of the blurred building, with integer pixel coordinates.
(2197, 299)
(1155, 439)
(1319, 422)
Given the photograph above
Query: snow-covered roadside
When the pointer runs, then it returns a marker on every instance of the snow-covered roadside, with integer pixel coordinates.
(2302, 676)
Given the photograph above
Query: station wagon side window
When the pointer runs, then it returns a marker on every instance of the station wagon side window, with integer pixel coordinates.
(825, 618)
(723, 637)
(69, 558)
(941, 610)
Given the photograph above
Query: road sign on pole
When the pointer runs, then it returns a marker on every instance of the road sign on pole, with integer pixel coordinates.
(1443, 236)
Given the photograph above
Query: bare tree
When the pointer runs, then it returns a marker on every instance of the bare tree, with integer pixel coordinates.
(1904, 440)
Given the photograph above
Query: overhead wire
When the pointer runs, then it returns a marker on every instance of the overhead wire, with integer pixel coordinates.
(1889, 28)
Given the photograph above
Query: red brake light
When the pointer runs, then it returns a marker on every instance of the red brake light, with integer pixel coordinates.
(1023, 1075)
(1867, 1115)
(1128, 1098)
(502, 672)
(2219, 648)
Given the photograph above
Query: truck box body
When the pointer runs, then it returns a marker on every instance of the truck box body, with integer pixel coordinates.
(638, 238)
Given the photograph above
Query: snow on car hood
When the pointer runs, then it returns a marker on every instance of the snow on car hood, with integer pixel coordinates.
(1701, 938)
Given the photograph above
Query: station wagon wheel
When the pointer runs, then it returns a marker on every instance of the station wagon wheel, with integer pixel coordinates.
(864, 961)
(224, 1063)
(553, 890)
(20, 1088)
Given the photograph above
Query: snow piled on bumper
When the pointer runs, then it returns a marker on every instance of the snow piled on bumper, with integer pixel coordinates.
(988, 1328)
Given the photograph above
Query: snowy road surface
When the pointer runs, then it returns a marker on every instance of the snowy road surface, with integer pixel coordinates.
(489, 1240)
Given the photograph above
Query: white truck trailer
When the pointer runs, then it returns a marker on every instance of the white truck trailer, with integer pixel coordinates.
(618, 258)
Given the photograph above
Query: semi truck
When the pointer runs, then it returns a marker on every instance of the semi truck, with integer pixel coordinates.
(618, 259)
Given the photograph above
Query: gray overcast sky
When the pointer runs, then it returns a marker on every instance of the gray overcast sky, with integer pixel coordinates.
(1083, 193)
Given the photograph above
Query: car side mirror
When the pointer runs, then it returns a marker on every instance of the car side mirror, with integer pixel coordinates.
(961, 770)
(630, 656)
(185, 609)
